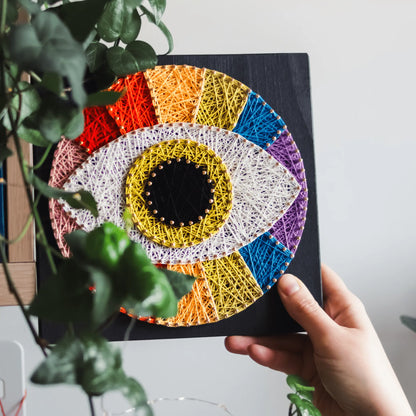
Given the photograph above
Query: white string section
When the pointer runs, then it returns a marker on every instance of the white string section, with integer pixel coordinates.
(262, 188)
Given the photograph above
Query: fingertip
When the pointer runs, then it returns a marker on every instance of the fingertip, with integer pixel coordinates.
(237, 344)
(260, 354)
(288, 284)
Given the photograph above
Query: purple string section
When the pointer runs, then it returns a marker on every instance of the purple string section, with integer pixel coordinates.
(288, 230)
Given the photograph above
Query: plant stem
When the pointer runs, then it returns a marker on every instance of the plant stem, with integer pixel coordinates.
(21, 234)
(91, 405)
(15, 293)
(3, 16)
(44, 156)
(38, 222)
(54, 252)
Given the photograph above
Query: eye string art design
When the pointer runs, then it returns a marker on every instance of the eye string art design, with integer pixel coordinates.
(211, 175)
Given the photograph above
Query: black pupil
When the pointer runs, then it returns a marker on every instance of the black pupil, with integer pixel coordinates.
(179, 192)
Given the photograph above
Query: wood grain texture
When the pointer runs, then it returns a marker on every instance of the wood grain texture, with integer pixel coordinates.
(18, 209)
(24, 277)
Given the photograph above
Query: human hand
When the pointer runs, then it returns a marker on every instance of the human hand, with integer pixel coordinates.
(341, 355)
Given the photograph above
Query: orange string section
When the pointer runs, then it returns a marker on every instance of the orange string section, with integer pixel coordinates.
(176, 91)
(222, 101)
(99, 129)
(135, 108)
(197, 307)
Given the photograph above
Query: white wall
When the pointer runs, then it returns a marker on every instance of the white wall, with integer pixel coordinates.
(363, 67)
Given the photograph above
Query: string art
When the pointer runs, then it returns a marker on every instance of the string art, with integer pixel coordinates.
(211, 175)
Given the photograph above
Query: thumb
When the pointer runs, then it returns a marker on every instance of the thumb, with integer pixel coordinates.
(303, 308)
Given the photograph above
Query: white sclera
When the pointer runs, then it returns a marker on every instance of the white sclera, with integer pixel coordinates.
(263, 189)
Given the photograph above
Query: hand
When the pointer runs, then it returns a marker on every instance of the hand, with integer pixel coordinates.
(341, 355)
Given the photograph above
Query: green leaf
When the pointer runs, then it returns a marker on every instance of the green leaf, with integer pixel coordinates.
(138, 275)
(161, 26)
(80, 199)
(119, 21)
(12, 12)
(102, 98)
(132, 23)
(104, 302)
(5, 152)
(77, 242)
(300, 386)
(58, 117)
(61, 364)
(133, 3)
(81, 17)
(161, 302)
(96, 55)
(134, 393)
(107, 245)
(137, 56)
(100, 79)
(46, 45)
(409, 322)
(53, 83)
(181, 283)
(304, 407)
(30, 6)
(94, 364)
(23, 104)
(57, 297)
(158, 7)
(128, 219)
(12, 75)
(33, 136)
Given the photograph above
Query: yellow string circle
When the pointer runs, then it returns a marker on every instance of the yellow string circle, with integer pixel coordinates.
(158, 229)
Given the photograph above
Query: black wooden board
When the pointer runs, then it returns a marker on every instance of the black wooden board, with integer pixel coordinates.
(283, 81)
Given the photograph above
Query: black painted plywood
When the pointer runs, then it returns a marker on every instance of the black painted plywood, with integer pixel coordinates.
(283, 81)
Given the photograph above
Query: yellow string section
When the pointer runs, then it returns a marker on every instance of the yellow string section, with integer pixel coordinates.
(153, 227)
(222, 101)
(197, 307)
(232, 285)
(176, 91)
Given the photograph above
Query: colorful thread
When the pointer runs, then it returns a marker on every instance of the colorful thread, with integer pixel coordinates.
(197, 307)
(99, 129)
(253, 172)
(269, 189)
(169, 234)
(290, 227)
(176, 92)
(67, 158)
(135, 108)
(232, 284)
(18, 409)
(259, 123)
(222, 101)
(267, 259)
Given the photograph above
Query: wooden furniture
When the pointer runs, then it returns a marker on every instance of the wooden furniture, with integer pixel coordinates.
(22, 254)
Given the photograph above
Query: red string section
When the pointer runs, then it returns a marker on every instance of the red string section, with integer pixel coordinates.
(135, 108)
(3, 413)
(99, 129)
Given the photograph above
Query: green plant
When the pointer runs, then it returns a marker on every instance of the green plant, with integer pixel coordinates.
(60, 45)
(72, 51)
(409, 322)
(301, 400)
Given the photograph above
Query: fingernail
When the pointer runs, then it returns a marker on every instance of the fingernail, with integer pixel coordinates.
(288, 284)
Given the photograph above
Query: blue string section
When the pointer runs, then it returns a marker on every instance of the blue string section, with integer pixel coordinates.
(259, 123)
(267, 259)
